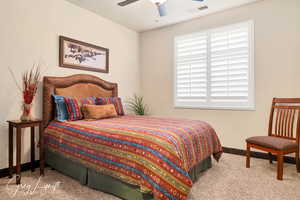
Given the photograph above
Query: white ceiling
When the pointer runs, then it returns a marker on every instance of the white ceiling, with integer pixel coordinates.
(143, 15)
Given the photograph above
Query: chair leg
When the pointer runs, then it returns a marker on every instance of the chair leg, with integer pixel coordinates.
(280, 166)
(248, 156)
(270, 158)
(298, 162)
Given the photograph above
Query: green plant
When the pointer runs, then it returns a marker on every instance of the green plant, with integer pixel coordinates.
(137, 105)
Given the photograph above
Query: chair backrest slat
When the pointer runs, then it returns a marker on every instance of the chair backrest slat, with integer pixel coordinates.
(278, 113)
(281, 122)
(288, 123)
(285, 113)
(291, 123)
(285, 132)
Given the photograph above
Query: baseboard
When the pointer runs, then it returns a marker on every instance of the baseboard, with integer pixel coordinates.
(255, 154)
(27, 166)
(24, 167)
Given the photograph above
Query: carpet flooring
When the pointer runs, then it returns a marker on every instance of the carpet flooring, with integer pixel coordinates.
(226, 180)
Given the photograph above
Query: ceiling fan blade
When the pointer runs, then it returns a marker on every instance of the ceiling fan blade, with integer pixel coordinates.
(127, 2)
(162, 9)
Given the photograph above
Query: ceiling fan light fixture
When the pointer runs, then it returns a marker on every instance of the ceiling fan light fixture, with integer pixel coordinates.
(159, 2)
(203, 8)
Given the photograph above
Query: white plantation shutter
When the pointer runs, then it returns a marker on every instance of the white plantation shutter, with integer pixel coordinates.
(214, 69)
(191, 68)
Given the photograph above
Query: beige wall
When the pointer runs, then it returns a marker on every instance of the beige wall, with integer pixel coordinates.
(29, 32)
(277, 66)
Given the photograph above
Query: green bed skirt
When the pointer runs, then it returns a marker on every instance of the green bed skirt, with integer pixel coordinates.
(105, 183)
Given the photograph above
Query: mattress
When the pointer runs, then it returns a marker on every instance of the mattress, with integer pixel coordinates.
(152, 153)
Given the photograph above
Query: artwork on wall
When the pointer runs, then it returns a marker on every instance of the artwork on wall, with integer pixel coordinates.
(80, 55)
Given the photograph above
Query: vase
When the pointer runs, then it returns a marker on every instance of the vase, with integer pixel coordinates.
(26, 115)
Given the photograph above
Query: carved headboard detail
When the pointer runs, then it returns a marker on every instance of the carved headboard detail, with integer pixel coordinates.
(80, 85)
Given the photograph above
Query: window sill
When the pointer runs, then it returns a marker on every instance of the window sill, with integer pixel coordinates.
(252, 108)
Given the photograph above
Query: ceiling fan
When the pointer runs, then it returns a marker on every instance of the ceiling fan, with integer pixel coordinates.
(161, 5)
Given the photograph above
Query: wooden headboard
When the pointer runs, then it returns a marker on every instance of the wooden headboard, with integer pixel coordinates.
(80, 85)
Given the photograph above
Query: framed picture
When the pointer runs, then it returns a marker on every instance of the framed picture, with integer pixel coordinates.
(80, 55)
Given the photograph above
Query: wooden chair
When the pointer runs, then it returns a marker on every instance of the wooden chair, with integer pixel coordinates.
(281, 139)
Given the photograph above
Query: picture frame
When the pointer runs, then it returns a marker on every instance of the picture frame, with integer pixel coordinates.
(76, 54)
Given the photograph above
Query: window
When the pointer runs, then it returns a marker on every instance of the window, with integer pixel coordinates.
(214, 69)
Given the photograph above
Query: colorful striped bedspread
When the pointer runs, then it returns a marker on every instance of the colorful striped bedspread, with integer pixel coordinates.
(153, 153)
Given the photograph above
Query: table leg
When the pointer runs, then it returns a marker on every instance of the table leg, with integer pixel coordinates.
(10, 150)
(32, 149)
(18, 168)
(42, 157)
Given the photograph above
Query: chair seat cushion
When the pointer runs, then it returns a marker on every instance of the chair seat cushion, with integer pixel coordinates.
(272, 142)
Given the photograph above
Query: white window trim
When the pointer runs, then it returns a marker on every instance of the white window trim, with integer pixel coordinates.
(248, 107)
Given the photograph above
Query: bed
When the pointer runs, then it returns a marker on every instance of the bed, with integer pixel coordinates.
(132, 157)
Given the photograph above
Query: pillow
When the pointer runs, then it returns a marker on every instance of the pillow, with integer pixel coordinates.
(111, 100)
(92, 112)
(74, 106)
(61, 112)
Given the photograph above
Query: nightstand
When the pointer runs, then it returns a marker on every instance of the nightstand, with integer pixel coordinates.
(18, 124)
